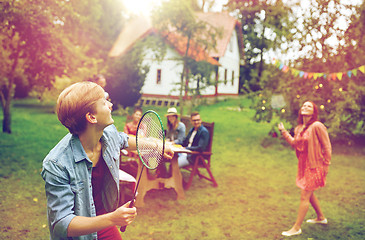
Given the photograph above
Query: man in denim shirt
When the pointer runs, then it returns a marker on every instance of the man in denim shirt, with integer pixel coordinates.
(79, 207)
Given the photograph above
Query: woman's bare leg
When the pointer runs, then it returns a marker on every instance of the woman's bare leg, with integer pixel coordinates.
(303, 209)
(315, 204)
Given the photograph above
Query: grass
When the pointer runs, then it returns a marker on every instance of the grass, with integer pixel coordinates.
(256, 197)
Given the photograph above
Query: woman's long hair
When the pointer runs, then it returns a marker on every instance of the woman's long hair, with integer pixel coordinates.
(173, 126)
(312, 120)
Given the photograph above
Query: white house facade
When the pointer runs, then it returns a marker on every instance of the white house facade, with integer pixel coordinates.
(161, 85)
(163, 77)
(229, 71)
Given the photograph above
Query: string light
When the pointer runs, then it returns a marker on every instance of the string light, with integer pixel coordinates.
(283, 110)
(340, 89)
(263, 108)
(263, 101)
(322, 107)
(320, 85)
(329, 100)
(316, 87)
(298, 96)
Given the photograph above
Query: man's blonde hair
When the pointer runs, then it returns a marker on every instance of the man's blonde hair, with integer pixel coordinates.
(75, 102)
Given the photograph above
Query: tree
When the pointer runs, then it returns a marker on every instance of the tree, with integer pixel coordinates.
(33, 49)
(96, 25)
(43, 40)
(126, 75)
(265, 26)
(178, 18)
(341, 101)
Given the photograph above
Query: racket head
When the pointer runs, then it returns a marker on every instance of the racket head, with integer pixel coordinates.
(150, 129)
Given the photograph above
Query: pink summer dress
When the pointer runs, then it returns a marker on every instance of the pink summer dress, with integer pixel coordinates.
(308, 179)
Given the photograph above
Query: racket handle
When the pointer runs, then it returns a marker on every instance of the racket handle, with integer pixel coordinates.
(122, 228)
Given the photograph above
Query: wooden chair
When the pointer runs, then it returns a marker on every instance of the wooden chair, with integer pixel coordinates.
(202, 159)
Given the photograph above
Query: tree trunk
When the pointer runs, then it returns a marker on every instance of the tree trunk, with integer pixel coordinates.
(182, 90)
(261, 64)
(8, 92)
(7, 118)
(5, 96)
(182, 86)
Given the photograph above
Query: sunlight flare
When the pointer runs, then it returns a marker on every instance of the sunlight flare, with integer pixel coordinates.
(141, 7)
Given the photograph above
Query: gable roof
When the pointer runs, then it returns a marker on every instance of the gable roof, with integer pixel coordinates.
(226, 22)
(141, 26)
(196, 52)
(137, 28)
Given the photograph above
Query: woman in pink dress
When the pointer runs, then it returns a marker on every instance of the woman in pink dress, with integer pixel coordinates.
(313, 150)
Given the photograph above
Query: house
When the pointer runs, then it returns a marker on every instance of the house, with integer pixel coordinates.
(161, 84)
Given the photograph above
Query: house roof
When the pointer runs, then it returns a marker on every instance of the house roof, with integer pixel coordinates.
(140, 27)
(196, 52)
(134, 30)
(224, 21)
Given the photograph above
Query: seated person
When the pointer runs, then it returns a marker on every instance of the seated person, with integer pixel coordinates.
(131, 127)
(101, 81)
(196, 140)
(175, 134)
(175, 128)
(130, 165)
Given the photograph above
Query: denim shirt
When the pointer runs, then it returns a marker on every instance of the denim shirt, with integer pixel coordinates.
(67, 175)
(178, 134)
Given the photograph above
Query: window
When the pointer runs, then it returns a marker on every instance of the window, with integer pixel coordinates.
(232, 78)
(225, 76)
(158, 77)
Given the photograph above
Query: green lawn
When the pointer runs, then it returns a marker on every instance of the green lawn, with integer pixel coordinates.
(256, 197)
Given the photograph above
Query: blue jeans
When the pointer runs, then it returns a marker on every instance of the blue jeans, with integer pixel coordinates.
(182, 160)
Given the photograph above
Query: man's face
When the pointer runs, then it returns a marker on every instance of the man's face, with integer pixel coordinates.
(196, 121)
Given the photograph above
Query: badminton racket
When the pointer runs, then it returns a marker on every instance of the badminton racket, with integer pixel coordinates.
(150, 142)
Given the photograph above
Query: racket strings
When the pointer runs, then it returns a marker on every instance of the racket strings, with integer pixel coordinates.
(151, 138)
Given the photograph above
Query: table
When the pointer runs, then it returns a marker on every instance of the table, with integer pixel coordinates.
(175, 181)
